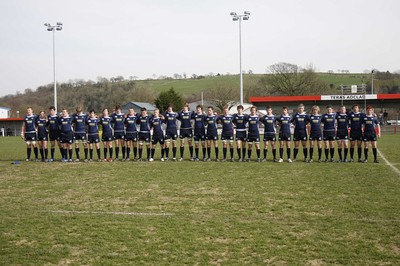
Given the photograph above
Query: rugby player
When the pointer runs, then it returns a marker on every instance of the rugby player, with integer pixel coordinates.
(253, 134)
(329, 127)
(107, 135)
(28, 132)
(227, 133)
(240, 121)
(156, 122)
(372, 132)
(185, 131)
(79, 125)
(315, 132)
(93, 134)
(212, 133)
(342, 133)
(355, 120)
(300, 121)
(118, 120)
(131, 134)
(171, 132)
(144, 132)
(269, 122)
(54, 131)
(66, 135)
(199, 132)
(42, 135)
(285, 135)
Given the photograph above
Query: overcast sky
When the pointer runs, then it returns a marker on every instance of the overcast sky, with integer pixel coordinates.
(143, 38)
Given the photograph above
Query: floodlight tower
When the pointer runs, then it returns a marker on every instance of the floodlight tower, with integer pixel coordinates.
(236, 17)
(54, 28)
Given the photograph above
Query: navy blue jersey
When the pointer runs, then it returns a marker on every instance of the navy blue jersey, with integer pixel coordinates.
(284, 124)
(130, 123)
(269, 122)
(342, 121)
(30, 123)
(144, 123)
(65, 124)
(41, 125)
(240, 121)
(329, 121)
(227, 124)
(370, 122)
(156, 125)
(315, 125)
(52, 122)
(93, 125)
(211, 122)
(118, 121)
(300, 122)
(356, 121)
(253, 121)
(79, 123)
(170, 120)
(185, 118)
(199, 122)
(106, 123)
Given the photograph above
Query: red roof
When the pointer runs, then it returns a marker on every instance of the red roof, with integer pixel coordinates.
(12, 119)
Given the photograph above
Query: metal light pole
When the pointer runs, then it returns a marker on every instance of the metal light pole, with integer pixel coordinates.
(372, 81)
(53, 28)
(236, 17)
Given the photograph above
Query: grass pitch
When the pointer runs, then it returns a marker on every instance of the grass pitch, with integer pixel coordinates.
(199, 213)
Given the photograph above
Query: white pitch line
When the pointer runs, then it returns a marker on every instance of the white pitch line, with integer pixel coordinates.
(114, 213)
(388, 163)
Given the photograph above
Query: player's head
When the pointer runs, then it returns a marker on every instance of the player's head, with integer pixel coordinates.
(240, 109)
(329, 109)
(156, 112)
(356, 108)
(131, 111)
(226, 110)
(78, 109)
(210, 110)
(143, 111)
(199, 109)
(52, 110)
(170, 108)
(118, 109)
(268, 108)
(315, 109)
(285, 110)
(342, 109)
(300, 108)
(42, 114)
(105, 112)
(186, 107)
(92, 113)
(29, 110)
(64, 112)
(253, 110)
(369, 110)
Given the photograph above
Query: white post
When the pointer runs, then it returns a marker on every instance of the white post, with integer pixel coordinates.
(240, 60)
(54, 70)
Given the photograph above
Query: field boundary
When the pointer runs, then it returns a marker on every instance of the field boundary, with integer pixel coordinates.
(112, 213)
(388, 163)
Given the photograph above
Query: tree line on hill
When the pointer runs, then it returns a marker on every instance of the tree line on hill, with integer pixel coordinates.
(281, 79)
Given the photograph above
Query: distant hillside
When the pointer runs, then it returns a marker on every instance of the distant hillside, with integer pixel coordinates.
(108, 93)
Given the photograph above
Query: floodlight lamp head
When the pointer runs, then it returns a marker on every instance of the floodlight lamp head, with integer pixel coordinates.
(50, 29)
(246, 18)
(47, 24)
(235, 18)
(59, 24)
(247, 13)
(59, 28)
(233, 14)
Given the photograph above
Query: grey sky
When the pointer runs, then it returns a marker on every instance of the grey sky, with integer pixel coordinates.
(142, 38)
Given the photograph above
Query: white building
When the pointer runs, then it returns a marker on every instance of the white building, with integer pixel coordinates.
(4, 112)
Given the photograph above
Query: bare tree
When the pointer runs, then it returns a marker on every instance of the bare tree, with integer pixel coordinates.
(290, 79)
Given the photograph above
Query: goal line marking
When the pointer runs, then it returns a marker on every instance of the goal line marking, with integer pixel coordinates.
(388, 163)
